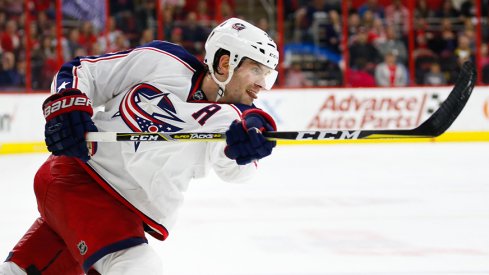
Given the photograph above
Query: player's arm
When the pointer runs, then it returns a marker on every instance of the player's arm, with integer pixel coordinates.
(236, 160)
(106, 76)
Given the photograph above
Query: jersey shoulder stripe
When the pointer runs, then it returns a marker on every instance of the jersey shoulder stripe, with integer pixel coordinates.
(178, 52)
(66, 76)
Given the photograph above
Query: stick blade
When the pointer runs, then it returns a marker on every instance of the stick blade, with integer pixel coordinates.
(449, 110)
(446, 114)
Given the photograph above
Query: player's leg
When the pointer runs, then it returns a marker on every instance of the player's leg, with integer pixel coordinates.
(40, 250)
(90, 221)
(141, 259)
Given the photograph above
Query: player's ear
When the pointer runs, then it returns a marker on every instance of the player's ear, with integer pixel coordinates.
(223, 67)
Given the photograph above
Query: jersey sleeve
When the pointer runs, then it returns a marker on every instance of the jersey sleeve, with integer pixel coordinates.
(103, 77)
(214, 117)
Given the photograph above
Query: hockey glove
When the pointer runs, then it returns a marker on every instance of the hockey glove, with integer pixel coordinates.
(68, 117)
(245, 141)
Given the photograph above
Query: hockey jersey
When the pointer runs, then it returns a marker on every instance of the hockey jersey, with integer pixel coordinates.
(152, 88)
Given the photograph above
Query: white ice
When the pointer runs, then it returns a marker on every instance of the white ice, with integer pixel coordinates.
(352, 209)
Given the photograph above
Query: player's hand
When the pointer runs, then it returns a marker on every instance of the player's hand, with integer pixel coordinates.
(245, 141)
(68, 118)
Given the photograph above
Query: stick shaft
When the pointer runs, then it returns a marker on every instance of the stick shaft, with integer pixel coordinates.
(434, 126)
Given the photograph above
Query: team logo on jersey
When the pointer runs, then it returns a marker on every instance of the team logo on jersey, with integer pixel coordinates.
(82, 247)
(147, 109)
(239, 26)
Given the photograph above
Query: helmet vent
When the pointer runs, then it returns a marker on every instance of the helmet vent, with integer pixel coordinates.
(271, 45)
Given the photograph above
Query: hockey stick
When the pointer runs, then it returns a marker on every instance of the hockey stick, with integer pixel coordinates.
(434, 126)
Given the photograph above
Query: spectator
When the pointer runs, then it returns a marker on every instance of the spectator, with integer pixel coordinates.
(484, 54)
(423, 58)
(146, 37)
(354, 25)
(176, 36)
(146, 16)
(397, 15)
(193, 34)
(333, 32)
(393, 44)
(227, 10)
(447, 10)
(72, 43)
(368, 19)
(48, 65)
(373, 6)
(9, 38)
(422, 10)
(97, 49)
(14, 9)
(305, 17)
(21, 72)
(470, 32)
(445, 40)
(391, 73)
(43, 23)
(168, 21)
(463, 51)
(87, 36)
(485, 74)
(203, 15)
(3, 19)
(467, 9)
(435, 76)
(120, 43)
(295, 77)
(360, 77)
(363, 53)
(9, 77)
(377, 34)
(106, 41)
(122, 10)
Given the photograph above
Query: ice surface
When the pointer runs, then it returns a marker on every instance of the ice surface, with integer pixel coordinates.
(331, 209)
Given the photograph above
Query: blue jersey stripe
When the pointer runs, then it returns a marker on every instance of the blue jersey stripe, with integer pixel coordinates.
(177, 51)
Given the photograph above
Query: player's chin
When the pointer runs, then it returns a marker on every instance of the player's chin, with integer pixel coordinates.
(247, 101)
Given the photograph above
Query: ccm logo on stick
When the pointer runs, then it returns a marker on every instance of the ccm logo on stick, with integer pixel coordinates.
(329, 135)
(144, 138)
(66, 103)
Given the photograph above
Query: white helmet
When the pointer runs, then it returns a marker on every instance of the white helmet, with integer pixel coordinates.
(241, 39)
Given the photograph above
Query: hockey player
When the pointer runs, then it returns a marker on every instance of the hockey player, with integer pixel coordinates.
(96, 204)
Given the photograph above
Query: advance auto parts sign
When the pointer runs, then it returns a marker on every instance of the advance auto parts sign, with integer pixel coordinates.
(375, 110)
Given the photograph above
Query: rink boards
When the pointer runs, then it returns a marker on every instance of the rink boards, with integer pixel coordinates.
(22, 122)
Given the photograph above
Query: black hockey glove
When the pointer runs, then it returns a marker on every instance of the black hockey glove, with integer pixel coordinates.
(68, 118)
(245, 141)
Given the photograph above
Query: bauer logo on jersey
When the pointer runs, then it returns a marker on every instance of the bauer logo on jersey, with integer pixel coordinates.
(147, 109)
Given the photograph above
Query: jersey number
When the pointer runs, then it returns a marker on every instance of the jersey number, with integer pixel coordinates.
(205, 113)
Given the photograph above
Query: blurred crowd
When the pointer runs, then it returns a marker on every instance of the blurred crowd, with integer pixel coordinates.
(378, 38)
(131, 23)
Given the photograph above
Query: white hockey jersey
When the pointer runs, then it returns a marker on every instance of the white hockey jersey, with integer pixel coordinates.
(155, 87)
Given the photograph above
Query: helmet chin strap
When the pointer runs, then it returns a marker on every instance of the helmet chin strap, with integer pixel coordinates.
(222, 85)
